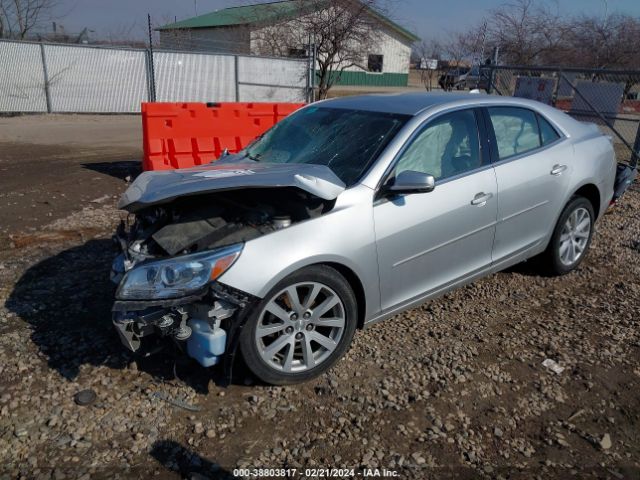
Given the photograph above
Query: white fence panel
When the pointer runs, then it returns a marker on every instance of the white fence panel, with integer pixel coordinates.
(89, 79)
(102, 80)
(21, 78)
(272, 79)
(194, 77)
(261, 93)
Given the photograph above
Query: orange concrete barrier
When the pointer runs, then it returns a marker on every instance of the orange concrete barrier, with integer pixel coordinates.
(181, 135)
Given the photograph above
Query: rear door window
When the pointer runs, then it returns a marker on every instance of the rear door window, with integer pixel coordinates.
(516, 130)
(548, 134)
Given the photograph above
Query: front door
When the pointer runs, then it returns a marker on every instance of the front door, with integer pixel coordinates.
(428, 241)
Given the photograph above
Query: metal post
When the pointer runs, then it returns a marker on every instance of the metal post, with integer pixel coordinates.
(236, 74)
(556, 90)
(151, 87)
(152, 72)
(494, 63)
(636, 150)
(313, 70)
(47, 92)
(308, 86)
(490, 82)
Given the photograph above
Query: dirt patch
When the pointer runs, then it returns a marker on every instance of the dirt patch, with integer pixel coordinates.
(41, 183)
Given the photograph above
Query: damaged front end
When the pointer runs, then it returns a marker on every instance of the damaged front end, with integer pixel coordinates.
(173, 248)
(199, 325)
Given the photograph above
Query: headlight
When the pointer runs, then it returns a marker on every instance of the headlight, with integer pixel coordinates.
(176, 277)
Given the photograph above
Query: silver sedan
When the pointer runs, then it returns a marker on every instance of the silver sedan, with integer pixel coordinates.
(348, 212)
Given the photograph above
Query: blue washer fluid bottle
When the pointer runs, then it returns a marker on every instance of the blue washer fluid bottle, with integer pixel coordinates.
(206, 344)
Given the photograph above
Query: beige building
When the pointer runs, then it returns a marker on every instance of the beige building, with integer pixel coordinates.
(242, 30)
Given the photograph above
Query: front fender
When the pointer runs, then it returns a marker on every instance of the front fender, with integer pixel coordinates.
(345, 235)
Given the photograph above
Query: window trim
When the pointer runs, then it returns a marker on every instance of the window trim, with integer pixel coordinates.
(484, 152)
(493, 143)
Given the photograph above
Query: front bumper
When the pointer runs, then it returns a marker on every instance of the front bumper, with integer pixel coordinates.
(132, 327)
(204, 326)
(197, 324)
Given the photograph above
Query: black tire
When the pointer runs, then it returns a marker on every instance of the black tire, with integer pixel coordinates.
(248, 344)
(550, 259)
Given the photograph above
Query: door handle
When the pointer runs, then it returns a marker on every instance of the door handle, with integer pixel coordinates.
(481, 199)
(558, 169)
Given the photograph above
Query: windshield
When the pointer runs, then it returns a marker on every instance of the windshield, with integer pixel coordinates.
(347, 141)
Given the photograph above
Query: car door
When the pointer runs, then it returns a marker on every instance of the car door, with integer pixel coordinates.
(532, 166)
(428, 241)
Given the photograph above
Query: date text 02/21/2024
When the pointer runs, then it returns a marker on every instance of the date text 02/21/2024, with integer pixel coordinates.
(315, 473)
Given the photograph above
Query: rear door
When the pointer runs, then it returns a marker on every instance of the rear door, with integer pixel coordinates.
(532, 165)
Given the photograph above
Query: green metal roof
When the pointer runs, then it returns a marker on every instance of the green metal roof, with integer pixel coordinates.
(262, 12)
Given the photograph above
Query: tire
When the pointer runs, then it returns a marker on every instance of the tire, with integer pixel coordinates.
(285, 342)
(558, 258)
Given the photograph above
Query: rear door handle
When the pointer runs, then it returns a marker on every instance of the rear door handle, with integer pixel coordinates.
(481, 199)
(558, 169)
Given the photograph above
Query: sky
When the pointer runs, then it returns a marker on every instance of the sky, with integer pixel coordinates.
(427, 18)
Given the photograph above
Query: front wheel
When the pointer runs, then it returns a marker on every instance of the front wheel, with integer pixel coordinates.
(301, 327)
(571, 237)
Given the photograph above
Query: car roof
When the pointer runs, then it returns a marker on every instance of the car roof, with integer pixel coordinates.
(415, 103)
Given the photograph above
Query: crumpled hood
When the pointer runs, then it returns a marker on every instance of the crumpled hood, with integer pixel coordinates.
(157, 187)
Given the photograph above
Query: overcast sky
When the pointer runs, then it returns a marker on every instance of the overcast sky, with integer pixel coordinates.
(427, 18)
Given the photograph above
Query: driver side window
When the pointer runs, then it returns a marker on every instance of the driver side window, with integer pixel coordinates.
(447, 146)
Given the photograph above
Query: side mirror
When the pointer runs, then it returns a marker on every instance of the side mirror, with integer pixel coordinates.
(411, 182)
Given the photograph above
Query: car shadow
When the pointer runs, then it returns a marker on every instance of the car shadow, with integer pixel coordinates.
(530, 268)
(67, 300)
(119, 169)
(179, 459)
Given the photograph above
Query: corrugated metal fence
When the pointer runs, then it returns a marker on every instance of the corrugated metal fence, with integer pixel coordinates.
(41, 77)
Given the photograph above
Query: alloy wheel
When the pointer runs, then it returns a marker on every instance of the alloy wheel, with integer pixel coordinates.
(575, 236)
(300, 327)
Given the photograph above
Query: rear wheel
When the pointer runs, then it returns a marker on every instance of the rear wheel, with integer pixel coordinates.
(571, 237)
(301, 327)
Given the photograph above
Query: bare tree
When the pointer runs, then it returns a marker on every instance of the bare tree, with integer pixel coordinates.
(608, 42)
(428, 50)
(459, 47)
(526, 31)
(343, 32)
(18, 18)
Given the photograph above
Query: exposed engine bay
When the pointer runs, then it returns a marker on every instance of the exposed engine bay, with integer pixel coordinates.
(200, 321)
(205, 222)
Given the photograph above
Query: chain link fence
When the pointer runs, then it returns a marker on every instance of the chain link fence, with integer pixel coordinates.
(43, 77)
(608, 98)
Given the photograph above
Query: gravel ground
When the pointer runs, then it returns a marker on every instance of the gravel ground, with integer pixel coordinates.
(453, 389)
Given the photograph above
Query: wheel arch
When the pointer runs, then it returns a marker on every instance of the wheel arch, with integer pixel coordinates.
(587, 190)
(356, 285)
(591, 192)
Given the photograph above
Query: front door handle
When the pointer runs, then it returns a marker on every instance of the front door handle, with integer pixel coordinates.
(558, 169)
(481, 199)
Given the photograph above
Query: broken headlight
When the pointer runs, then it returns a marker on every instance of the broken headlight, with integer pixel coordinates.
(176, 277)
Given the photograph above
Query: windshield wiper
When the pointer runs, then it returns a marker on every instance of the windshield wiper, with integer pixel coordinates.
(255, 158)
